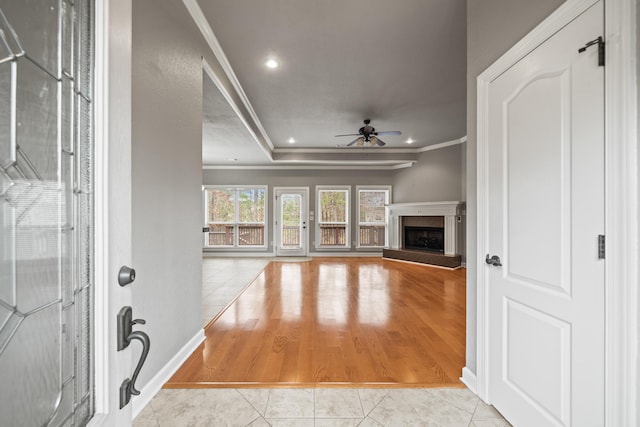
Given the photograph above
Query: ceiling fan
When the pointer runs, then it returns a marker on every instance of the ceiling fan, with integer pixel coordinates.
(368, 134)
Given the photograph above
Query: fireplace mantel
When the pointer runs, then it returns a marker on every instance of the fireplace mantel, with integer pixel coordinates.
(449, 210)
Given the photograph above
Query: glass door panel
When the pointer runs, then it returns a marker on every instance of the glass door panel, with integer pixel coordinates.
(46, 213)
(291, 222)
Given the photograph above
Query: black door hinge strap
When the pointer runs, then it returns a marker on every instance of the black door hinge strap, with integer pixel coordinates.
(600, 42)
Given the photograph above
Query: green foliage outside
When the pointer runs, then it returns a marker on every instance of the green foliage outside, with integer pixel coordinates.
(290, 210)
(222, 204)
(333, 206)
(251, 205)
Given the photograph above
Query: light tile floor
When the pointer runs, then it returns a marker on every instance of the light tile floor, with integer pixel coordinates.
(223, 280)
(318, 408)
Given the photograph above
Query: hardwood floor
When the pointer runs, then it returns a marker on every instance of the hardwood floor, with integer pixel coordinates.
(336, 322)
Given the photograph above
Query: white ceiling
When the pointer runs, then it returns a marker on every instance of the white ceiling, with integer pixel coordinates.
(400, 63)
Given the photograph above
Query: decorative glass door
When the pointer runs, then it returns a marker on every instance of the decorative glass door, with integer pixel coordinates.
(46, 212)
(291, 222)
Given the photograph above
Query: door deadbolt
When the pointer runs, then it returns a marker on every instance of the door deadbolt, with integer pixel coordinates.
(126, 275)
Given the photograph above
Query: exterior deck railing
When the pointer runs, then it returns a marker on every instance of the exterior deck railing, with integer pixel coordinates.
(372, 235)
(330, 235)
(291, 236)
(248, 235)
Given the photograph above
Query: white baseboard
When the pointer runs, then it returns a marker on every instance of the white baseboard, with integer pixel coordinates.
(463, 264)
(346, 254)
(469, 379)
(216, 254)
(152, 388)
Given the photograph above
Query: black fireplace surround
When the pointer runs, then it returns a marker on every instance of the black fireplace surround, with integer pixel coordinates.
(429, 239)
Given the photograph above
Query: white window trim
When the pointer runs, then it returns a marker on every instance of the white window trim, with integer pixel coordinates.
(348, 224)
(236, 222)
(388, 189)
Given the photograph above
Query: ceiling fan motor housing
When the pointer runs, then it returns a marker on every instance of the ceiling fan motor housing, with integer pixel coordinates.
(367, 130)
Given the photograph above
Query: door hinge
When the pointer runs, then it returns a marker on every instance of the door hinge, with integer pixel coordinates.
(600, 42)
(601, 253)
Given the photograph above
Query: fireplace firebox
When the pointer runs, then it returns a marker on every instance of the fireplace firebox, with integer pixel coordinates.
(429, 239)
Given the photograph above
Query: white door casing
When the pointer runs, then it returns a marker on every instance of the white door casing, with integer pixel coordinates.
(545, 210)
(296, 222)
(113, 204)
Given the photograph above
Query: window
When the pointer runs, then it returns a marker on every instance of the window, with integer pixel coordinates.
(235, 216)
(372, 223)
(332, 225)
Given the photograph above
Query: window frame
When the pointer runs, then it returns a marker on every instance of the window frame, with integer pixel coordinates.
(319, 190)
(372, 188)
(237, 189)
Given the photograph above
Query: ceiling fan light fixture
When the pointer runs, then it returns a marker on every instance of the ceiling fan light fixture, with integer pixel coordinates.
(361, 141)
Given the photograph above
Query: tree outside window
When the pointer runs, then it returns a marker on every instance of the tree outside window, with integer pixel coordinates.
(235, 216)
(372, 225)
(333, 221)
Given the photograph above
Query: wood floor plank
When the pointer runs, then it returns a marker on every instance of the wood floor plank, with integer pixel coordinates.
(336, 322)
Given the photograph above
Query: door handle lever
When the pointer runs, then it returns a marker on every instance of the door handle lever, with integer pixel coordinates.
(493, 260)
(125, 336)
(146, 344)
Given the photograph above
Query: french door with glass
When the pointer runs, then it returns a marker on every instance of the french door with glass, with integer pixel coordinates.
(291, 220)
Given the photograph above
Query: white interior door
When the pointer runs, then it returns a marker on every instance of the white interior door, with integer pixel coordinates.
(545, 213)
(291, 221)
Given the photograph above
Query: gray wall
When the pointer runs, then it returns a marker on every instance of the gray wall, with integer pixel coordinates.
(166, 162)
(435, 177)
(493, 26)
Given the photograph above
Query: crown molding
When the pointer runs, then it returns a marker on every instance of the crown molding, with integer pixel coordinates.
(205, 29)
(227, 96)
(342, 150)
(442, 145)
(310, 167)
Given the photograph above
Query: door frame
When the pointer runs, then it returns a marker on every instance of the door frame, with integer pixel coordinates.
(275, 217)
(621, 199)
(112, 115)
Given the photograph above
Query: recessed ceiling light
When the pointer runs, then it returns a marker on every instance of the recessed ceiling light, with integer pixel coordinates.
(409, 141)
(271, 63)
(291, 141)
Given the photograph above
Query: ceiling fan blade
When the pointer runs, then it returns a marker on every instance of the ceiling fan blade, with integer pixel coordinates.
(389, 132)
(380, 143)
(352, 142)
(349, 134)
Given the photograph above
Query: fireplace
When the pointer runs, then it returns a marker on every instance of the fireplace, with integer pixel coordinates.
(424, 233)
(442, 215)
(429, 239)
